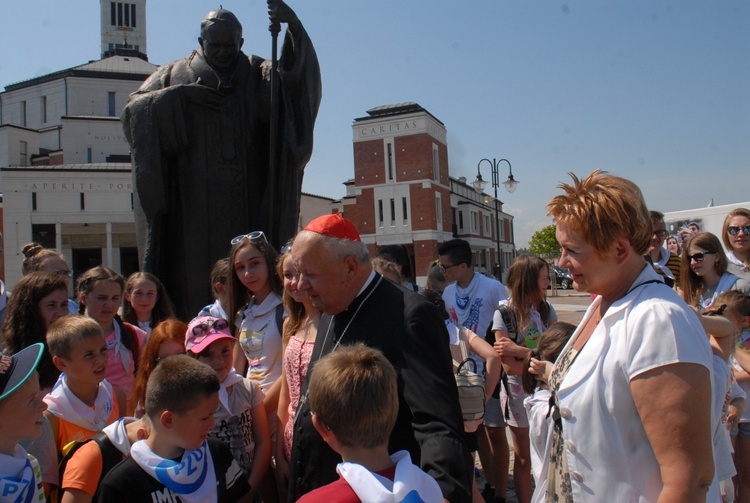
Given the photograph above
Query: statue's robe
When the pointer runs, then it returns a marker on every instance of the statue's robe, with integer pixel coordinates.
(201, 175)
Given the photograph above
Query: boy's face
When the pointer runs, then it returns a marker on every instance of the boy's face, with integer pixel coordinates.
(21, 413)
(189, 430)
(218, 356)
(87, 361)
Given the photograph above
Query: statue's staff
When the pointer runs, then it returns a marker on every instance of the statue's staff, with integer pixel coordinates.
(274, 28)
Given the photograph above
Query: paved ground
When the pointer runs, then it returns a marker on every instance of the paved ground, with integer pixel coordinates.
(570, 306)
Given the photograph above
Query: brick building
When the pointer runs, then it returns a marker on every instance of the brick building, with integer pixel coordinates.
(402, 193)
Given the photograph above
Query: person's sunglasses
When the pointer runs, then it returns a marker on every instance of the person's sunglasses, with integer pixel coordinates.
(661, 234)
(735, 230)
(444, 268)
(213, 326)
(251, 236)
(698, 257)
(286, 248)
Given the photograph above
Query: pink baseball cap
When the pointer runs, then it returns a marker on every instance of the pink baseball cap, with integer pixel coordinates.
(204, 330)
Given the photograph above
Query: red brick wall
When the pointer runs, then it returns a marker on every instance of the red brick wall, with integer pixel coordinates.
(425, 252)
(369, 166)
(362, 214)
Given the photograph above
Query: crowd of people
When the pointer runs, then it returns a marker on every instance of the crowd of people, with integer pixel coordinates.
(321, 373)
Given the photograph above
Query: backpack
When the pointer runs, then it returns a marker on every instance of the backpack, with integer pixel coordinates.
(111, 456)
(471, 395)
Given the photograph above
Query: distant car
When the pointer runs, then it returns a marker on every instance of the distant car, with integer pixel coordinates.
(563, 279)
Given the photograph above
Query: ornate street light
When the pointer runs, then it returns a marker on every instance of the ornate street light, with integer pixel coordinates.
(510, 185)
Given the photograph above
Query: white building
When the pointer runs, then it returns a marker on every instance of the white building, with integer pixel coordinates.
(64, 160)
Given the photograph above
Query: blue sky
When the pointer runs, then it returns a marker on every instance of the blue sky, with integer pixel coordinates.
(656, 91)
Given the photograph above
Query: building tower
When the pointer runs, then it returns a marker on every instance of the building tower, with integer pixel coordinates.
(124, 28)
(401, 188)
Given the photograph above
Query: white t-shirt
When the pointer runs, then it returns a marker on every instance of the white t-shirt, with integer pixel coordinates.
(260, 339)
(540, 437)
(472, 307)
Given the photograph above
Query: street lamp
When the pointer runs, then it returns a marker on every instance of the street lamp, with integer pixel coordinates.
(510, 185)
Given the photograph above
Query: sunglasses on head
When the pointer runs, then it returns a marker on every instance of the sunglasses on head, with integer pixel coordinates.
(213, 326)
(251, 236)
(735, 230)
(286, 248)
(698, 257)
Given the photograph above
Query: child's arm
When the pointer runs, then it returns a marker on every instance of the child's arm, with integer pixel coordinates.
(492, 362)
(240, 360)
(282, 415)
(272, 399)
(718, 326)
(262, 457)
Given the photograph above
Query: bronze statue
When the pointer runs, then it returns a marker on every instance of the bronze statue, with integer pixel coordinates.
(199, 133)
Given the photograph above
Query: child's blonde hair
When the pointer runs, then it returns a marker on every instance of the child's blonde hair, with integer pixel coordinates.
(353, 392)
(65, 333)
(734, 303)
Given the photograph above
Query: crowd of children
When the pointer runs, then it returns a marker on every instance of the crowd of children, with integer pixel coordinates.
(123, 402)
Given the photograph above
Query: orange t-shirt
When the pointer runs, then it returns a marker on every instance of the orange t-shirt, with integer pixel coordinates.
(84, 469)
(68, 432)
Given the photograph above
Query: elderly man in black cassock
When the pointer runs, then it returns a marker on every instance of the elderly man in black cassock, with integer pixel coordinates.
(199, 130)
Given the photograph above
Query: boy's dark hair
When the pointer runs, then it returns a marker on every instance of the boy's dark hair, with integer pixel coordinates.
(66, 332)
(178, 384)
(353, 392)
(457, 250)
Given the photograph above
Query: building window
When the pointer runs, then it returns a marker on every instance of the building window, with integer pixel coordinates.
(487, 229)
(438, 209)
(44, 109)
(111, 101)
(23, 114)
(393, 212)
(122, 14)
(435, 163)
(389, 159)
(83, 201)
(501, 226)
(89, 155)
(132, 203)
(44, 234)
(23, 153)
(380, 213)
(474, 222)
(460, 220)
(33, 201)
(404, 210)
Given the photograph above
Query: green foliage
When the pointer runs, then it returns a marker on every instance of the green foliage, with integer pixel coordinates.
(543, 243)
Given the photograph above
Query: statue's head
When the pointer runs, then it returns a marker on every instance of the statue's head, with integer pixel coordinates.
(221, 39)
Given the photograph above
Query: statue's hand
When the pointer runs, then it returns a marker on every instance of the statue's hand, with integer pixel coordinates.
(201, 95)
(279, 12)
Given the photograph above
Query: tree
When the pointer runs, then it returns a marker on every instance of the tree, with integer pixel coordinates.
(544, 244)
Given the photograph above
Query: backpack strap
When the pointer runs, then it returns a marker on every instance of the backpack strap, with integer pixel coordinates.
(280, 318)
(509, 321)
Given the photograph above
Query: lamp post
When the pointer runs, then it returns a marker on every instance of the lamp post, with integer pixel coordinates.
(510, 185)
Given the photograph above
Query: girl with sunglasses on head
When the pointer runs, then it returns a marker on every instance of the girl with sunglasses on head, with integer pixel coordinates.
(99, 297)
(167, 339)
(255, 302)
(736, 237)
(704, 272)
